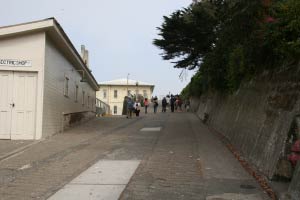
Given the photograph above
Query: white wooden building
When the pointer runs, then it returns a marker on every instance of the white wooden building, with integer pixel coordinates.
(113, 92)
(45, 85)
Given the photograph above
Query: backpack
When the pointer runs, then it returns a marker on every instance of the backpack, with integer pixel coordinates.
(130, 105)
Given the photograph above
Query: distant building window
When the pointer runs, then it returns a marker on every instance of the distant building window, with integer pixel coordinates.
(83, 95)
(88, 101)
(115, 109)
(104, 94)
(66, 87)
(115, 93)
(145, 93)
(136, 92)
(76, 93)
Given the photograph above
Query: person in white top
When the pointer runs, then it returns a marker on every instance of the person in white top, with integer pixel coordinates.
(137, 107)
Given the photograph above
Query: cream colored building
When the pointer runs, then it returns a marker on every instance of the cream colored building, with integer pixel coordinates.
(113, 92)
(45, 85)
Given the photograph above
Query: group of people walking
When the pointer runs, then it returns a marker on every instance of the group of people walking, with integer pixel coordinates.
(133, 107)
(175, 103)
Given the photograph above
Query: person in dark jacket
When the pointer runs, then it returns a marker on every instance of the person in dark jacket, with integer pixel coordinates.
(164, 104)
(155, 104)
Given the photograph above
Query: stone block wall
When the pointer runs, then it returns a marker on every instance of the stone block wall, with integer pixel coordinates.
(294, 189)
(257, 118)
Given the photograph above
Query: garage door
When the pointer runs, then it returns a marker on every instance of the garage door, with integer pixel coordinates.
(17, 105)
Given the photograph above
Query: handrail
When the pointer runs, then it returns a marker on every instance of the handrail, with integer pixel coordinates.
(102, 108)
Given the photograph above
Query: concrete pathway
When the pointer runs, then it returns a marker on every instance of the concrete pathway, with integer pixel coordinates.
(105, 180)
(167, 156)
(189, 162)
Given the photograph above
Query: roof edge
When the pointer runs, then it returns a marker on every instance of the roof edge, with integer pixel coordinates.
(23, 28)
(26, 23)
(65, 36)
(46, 25)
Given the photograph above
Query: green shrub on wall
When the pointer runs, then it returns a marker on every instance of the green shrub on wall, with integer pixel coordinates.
(283, 30)
(236, 68)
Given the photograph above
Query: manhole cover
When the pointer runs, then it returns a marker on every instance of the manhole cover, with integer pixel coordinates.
(244, 186)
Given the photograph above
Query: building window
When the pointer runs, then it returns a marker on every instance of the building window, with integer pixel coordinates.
(115, 93)
(88, 101)
(66, 87)
(145, 93)
(83, 94)
(115, 110)
(104, 94)
(136, 92)
(76, 93)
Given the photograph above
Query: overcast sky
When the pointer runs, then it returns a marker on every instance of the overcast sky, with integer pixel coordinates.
(118, 35)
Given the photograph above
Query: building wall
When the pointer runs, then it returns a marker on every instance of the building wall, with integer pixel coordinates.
(60, 109)
(28, 47)
(112, 101)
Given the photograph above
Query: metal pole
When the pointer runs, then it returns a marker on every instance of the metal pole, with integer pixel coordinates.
(127, 85)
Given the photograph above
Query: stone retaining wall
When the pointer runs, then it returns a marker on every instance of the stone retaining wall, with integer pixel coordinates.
(256, 119)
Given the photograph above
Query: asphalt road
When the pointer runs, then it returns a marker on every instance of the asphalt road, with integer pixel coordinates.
(179, 158)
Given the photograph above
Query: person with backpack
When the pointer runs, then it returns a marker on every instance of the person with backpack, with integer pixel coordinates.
(130, 107)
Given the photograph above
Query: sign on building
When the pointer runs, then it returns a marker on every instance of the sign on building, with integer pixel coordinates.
(15, 63)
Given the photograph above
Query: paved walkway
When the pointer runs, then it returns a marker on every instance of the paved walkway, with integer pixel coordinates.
(189, 162)
(180, 159)
(105, 180)
(43, 168)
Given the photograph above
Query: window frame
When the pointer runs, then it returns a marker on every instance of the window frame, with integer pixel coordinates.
(66, 86)
(76, 92)
(115, 110)
(104, 94)
(145, 93)
(83, 95)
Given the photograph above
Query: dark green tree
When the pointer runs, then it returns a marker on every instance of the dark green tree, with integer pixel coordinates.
(187, 35)
(230, 40)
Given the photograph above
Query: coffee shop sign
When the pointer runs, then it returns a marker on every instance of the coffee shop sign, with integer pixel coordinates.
(15, 63)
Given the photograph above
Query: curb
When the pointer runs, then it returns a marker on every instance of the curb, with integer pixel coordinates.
(14, 152)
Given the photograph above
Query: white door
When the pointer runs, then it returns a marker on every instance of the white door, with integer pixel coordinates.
(6, 82)
(21, 105)
(24, 100)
